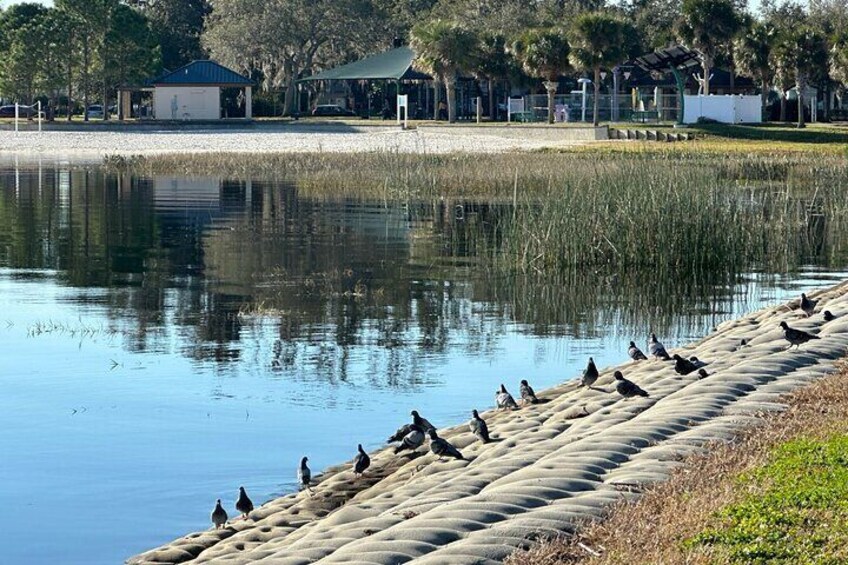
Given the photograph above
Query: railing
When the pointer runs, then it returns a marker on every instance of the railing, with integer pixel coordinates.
(623, 108)
(18, 114)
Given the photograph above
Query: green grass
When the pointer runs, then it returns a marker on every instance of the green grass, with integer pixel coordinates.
(795, 510)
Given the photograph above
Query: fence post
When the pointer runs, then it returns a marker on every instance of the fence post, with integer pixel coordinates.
(17, 115)
(479, 109)
(39, 116)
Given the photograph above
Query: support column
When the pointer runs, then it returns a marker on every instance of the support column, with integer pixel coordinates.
(248, 102)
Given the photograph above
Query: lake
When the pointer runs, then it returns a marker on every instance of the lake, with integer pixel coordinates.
(168, 339)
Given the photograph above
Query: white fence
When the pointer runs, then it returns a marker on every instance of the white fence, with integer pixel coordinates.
(730, 109)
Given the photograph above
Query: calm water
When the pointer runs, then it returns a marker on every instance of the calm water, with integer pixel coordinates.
(166, 340)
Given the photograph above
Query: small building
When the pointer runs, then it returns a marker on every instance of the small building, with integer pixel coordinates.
(193, 92)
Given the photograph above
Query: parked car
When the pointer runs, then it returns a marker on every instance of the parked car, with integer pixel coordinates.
(23, 111)
(331, 110)
(95, 111)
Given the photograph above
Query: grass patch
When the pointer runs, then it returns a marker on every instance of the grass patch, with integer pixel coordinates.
(776, 494)
(796, 509)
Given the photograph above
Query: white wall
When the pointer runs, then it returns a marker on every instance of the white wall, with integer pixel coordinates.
(187, 102)
(729, 109)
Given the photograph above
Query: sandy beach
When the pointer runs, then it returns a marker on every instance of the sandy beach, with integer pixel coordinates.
(553, 465)
(94, 144)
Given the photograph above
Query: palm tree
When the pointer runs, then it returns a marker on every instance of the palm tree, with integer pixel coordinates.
(598, 41)
(543, 53)
(490, 63)
(754, 56)
(707, 26)
(443, 49)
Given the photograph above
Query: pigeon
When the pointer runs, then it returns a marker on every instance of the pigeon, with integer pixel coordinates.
(697, 362)
(244, 504)
(478, 427)
(505, 399)
(411, 441)
(527, 394)
(702, 373)
(401, 433)
(626, 388)
(442, 447)
(828, 316)
(683, 366)
(807, 305)
(796, 337)
(743, 343)
(219, 515)
(590, 374)
(657, 349)
(635, 353)
(422, 423)
(304, 475)
(361, 461)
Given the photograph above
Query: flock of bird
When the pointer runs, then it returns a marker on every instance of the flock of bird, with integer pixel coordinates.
(410, 437)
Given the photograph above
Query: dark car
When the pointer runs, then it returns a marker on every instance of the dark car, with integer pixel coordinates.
(331, 110)
(23, 111)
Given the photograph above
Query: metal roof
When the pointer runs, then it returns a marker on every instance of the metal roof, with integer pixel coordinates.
(205, 72)
(676, 56)
(395, 64)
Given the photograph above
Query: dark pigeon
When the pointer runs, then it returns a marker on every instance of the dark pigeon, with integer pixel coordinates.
(505, 400)
(527, 393)
(411, 441)
(627, 389)
(590, 374)
(219, 515)
(635, 353)
(702, 374)
(807, 305)
(657, 349)
(422, 423)
(244, 504)
(796, 337)
(361, 461)
(828, 316)
(442, 447)
(683, 366)
(401, 433)
(478, 427)
(304, 475)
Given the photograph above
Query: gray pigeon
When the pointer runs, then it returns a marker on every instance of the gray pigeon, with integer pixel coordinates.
(657, 349)
(244, 504)
(828, 316)
(422, 423)
(702, 373)
(796, 337)
(807, 305)
(635, 353)
(361, 462)
(478, 427)
(683, 366)
(626, 388)
(304, 475)
(505, 400)
(442, 447)
(401, 433)
(411, 441)
(590, 374)
(219, 515)
(528, 396)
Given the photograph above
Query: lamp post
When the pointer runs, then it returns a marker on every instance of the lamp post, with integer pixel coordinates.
(584, 82)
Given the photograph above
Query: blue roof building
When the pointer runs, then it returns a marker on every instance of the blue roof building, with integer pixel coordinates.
(193, 92)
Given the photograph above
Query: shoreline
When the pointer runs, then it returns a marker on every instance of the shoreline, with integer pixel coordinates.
(558, 464)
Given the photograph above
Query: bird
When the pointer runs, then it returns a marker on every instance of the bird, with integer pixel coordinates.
(422, 423)
(626, 388)
(807, 305)
(411, 441)
(590, 374)
(697, 362)
(504, 399)
(527, 394)
(683, 366)
(743, 343)
(304, 475)
(361, 461)
(478, 427)
(219, 515)
(635, 353)
(401, 433)
(443, 447)
(657, 349)
(796, 337)
(244, 504)
(828, 316)
(702, 373)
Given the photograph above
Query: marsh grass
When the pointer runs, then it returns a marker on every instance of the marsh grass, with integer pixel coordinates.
(615, 213)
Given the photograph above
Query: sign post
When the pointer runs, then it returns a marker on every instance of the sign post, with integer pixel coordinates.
(403, 104)
(17, 115)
